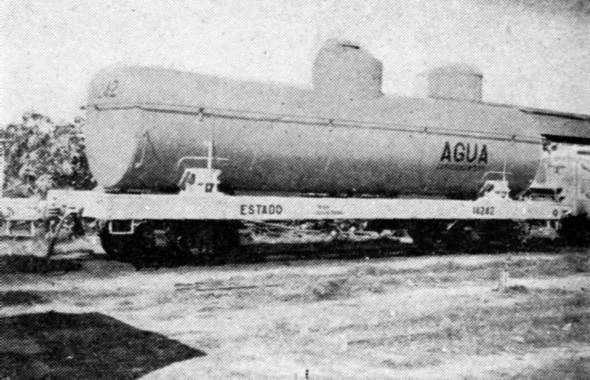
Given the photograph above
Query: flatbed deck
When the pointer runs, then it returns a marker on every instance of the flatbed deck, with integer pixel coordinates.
(218, 206)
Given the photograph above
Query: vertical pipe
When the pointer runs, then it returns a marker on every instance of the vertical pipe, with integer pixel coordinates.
(576, 185)
(2, 166)
(210, 154)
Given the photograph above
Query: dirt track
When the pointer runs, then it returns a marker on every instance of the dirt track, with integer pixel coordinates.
(430, 317)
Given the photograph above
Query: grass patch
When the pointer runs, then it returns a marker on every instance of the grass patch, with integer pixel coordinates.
(417, 362)
(515, 289)
(330, 289)
(344, 287)
(578, 300)
(541, 319)
(574, 368)
(18, 297)
(32, 264)
(376, 271)
(578, 262)
(451, 266)
(566, 264)
(453, 271)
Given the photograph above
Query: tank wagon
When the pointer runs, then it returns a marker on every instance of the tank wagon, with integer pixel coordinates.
(182, 158)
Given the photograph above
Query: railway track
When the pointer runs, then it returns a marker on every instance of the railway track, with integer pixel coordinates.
(340, 250)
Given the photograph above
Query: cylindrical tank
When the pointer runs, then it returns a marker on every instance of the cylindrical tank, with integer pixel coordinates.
(340, 137)
(143, 121)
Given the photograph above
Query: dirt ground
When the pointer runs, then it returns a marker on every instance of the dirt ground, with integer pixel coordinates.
(403, 317)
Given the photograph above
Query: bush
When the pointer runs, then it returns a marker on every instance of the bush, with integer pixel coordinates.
(42, 155)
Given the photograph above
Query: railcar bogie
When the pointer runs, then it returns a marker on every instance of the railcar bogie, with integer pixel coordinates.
(172, 241)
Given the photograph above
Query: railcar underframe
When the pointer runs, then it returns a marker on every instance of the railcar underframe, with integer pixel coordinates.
(204, 222)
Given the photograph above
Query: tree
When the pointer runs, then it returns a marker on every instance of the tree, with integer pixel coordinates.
(41, 155)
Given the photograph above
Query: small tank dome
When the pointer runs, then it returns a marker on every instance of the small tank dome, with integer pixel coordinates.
(455, 81)
(344, 69)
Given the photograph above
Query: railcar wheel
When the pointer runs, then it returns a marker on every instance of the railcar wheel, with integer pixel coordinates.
(427, 235)
(157, 244)
(575, 230)
(211, 242)
(143, 250)
(115, 246)
(149, 245)
(486, 236)
(171, 243)
(463, 237)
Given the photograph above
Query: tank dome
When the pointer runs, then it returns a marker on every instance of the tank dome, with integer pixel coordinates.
(455, 81)
(344, 69)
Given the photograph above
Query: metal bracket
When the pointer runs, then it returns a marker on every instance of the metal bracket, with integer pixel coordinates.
(130, 231)
(200, 180)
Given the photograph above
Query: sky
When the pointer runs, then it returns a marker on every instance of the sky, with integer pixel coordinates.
(534, 53)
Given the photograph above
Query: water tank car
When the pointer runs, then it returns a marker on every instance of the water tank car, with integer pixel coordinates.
(340, 137)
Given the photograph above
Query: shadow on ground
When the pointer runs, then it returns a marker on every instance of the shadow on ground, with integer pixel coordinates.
(82, 346)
